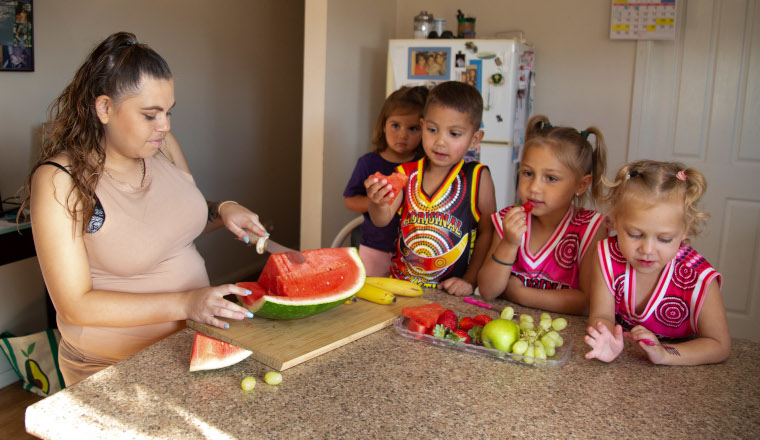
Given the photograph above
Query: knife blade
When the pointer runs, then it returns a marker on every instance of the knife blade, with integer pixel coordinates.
(294, 256)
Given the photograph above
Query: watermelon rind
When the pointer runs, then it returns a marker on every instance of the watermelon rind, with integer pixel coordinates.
(284, 307)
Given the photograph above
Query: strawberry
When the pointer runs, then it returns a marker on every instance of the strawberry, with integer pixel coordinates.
(463, 336)
(482, 320)
(439, 331)
(528, 207)
(448, 320)
(475, 334)
(466, 323)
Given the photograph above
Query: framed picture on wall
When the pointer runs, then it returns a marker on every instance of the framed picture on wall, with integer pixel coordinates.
(429, 62)
(16, 36)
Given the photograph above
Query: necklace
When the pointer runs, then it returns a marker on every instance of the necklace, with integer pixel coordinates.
(142, 169)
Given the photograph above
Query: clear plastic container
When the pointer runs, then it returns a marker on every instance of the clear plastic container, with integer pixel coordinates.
(560, 357)
(423, 24)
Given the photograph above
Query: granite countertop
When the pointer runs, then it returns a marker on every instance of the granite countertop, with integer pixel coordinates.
(386, 386)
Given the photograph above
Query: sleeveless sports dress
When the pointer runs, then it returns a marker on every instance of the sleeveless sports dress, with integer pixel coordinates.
(438, 232)
(557, 264)
(673, 310)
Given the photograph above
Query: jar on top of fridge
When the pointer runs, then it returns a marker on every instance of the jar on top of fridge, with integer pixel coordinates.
(423, 24)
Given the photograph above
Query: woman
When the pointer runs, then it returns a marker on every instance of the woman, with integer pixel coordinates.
(115, 210)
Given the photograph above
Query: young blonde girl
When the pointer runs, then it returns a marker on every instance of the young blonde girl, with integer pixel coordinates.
(648, 280)
(397, 139)
(537, 256)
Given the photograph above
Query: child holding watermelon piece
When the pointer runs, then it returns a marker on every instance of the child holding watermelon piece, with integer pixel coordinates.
(397, 139)
(446, 203)
(537, 256)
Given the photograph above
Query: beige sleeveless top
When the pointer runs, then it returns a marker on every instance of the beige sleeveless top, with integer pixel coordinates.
(145, 245)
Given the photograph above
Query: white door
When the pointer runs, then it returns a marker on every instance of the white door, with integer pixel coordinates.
(697, 100)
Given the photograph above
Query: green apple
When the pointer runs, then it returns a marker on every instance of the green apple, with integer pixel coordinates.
(500, 334)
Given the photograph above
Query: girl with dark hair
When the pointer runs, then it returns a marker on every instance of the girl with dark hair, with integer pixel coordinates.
(397, 139)
(115, 212)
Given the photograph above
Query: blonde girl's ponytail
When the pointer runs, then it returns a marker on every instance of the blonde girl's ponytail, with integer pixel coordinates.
(598, 162)
(696, 186)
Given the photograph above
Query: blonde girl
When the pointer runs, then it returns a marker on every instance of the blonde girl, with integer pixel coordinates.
(647, 280)
(536, 257)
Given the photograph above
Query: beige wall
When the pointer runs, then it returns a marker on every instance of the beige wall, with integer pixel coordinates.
(356, 56)
(584, 78)
(238, 69)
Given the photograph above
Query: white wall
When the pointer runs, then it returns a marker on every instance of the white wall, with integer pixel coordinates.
(238, 75)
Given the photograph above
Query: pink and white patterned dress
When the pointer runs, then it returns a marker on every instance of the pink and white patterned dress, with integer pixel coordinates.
(557, 264)
(673, 310)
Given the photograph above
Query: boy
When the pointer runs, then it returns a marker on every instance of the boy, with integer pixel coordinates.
(445, 207)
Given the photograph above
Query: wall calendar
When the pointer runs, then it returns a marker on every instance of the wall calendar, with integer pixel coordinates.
(643, 20)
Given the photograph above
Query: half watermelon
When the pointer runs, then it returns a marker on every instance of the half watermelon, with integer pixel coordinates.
(211, 353)
(291, 291)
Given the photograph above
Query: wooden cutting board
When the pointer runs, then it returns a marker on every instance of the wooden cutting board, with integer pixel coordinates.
(281, 344)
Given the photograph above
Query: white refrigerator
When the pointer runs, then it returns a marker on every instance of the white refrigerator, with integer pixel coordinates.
(502, 70)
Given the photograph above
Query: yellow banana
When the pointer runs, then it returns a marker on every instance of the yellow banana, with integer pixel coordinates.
(396, 287)
(375, 294)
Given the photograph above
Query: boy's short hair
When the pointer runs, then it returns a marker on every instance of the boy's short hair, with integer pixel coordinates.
(459, 96)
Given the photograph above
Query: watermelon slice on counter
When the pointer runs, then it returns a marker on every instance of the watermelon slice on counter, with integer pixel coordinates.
(211, 353)
(397, 181)
(292, 291)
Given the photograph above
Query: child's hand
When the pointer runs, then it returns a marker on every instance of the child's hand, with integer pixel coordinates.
(379, 191)
(514, 225)
(655, 353)
(456, 286)
(606, 345)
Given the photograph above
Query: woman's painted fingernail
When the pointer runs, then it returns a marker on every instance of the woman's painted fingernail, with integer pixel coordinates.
(249, 315)
(267, 234)
(248, 292)
(246, 240)
(226, 326)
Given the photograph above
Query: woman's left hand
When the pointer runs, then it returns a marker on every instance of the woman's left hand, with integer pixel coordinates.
(241, 221)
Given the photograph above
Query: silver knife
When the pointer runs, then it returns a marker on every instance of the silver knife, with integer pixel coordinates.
(273, 247)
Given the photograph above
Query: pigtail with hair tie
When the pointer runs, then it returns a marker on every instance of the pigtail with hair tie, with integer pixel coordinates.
(681, 175)
(584, 133)
(631, 174)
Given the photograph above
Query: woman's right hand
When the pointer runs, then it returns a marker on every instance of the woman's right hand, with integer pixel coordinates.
(514, 225)
(207, 303)
(379, 190)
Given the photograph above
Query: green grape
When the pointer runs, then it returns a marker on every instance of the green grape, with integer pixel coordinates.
(528, 355)
(550, 350)
(540, 352)
(531, 333)
(546, 316)
(554, 335)
(248, 383)
(548, 341)
(525, 325)
(526, 318)
(508, 313)
(559, 324)
(559, 341)
(519, 347)
(273, 378)
(545, 325)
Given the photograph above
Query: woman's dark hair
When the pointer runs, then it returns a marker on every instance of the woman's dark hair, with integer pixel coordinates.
(115, 68)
